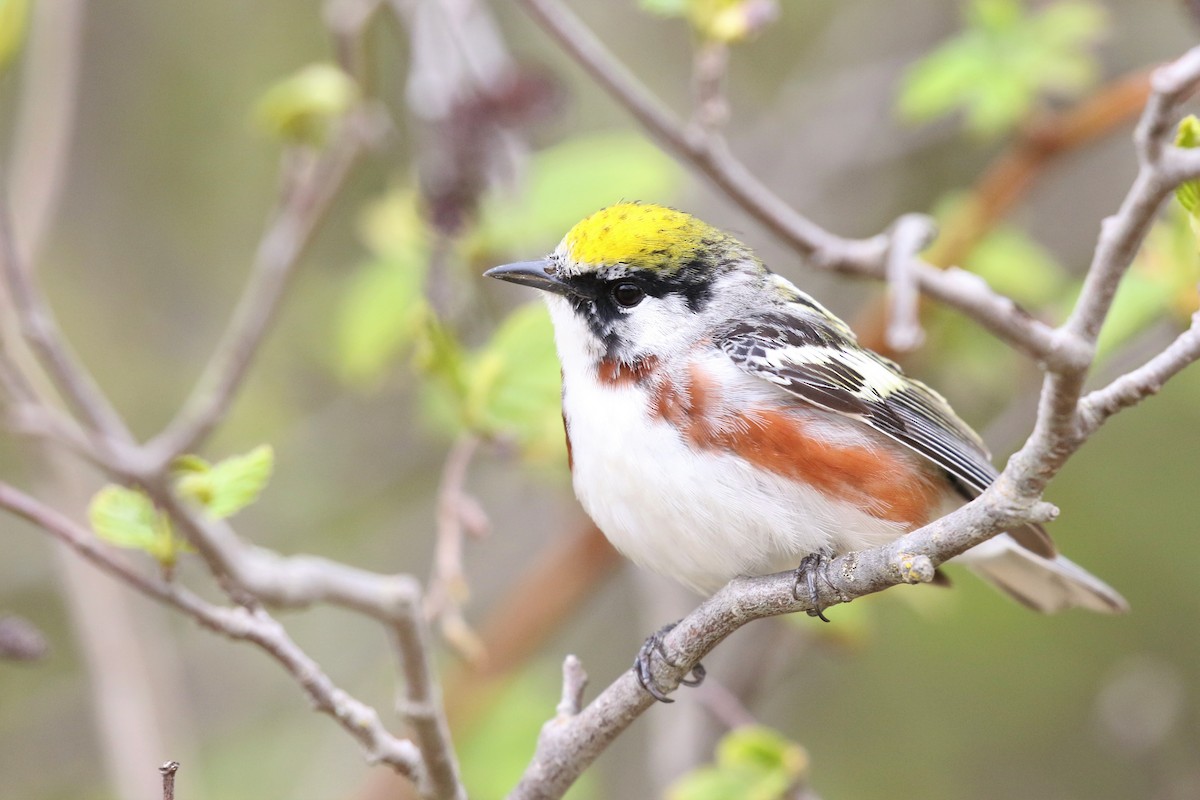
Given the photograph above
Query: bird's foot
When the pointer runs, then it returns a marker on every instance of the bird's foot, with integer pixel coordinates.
(812, 567)
(641, 665)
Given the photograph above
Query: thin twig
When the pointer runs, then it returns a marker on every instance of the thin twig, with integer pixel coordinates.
(40, 329)
(168, 771)
(724, 705)
(45, 120)
(20, 640)
(710, 155)
(448, 588)
(575, 680)
(238, 623)
(348, 21)
(1140, 383)
(309, 189)
(298, 581)
(911, 234)
(710, 66)
(422, 707)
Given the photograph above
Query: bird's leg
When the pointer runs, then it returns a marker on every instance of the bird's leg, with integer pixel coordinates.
(641, 664)
(811, 567)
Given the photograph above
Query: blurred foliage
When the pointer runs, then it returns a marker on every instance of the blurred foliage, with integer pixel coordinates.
(495, 754)
(568, 181)
(508, 388)
(1004, 61)
(14, 25)
(1161, 284)
(727, 21)
(302, 108)
(1188, 192)
(751, 763)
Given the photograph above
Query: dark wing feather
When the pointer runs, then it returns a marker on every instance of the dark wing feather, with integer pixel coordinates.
(814, 356)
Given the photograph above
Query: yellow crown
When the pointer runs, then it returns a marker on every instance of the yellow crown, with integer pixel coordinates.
(641, 235)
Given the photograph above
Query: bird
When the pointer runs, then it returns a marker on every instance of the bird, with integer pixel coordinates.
(721, 423)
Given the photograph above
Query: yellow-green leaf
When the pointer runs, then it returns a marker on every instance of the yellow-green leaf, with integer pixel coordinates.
(380, 314)
(237, 481)
(302, 108)
(1188, 136)
(752, 763)
(129, 519)
(1007, 57)
(513, 382)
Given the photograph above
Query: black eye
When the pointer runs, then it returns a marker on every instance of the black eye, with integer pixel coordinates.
(627, 294)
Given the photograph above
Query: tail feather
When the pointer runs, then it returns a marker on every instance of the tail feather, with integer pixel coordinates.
(1044, 584)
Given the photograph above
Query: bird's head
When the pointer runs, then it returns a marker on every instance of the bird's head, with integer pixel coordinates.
(637, 279)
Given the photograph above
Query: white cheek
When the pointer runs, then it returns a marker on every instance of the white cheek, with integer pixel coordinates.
(575, 342)
(660, 325)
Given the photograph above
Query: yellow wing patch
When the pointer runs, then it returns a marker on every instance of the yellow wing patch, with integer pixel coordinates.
(640, 235)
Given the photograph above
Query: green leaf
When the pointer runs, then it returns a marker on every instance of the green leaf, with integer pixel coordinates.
(1017, 266)
(303, 108)
(752, 763)
(381, 313)
(514, 383)
(573, 179)
(494, 752)
(237, 481)
(763, 748)
(129, 519)
(391, 225)
(14, 24)
(1188, 136)
(1005, 60)
(665, 8)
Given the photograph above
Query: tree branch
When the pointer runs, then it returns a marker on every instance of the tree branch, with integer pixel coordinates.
(568, 745)
(709, 154)
(241, 624)
(309, 185)
(1137, 385)
(40, 329)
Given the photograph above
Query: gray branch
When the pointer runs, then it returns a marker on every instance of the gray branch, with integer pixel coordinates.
(238, 623)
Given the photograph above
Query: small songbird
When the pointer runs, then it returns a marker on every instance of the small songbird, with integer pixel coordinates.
(721, 423)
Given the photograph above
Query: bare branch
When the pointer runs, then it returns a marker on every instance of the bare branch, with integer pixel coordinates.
(242, 624)
(567, 746)
(168, 771)
(422, 707)
(911, 234)
(45, 120)
(866, 257)
(20, 640)
(1137, 385)
(448, 588)
(40, 329)
(575, 680)
(295, 581)
(310, 182)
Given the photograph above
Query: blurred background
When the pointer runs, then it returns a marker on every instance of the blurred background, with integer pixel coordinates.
(143, 146)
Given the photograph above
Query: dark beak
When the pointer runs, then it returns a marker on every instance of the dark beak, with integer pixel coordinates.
(538, 274)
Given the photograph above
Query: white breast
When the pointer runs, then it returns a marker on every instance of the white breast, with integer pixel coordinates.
(700, 517)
